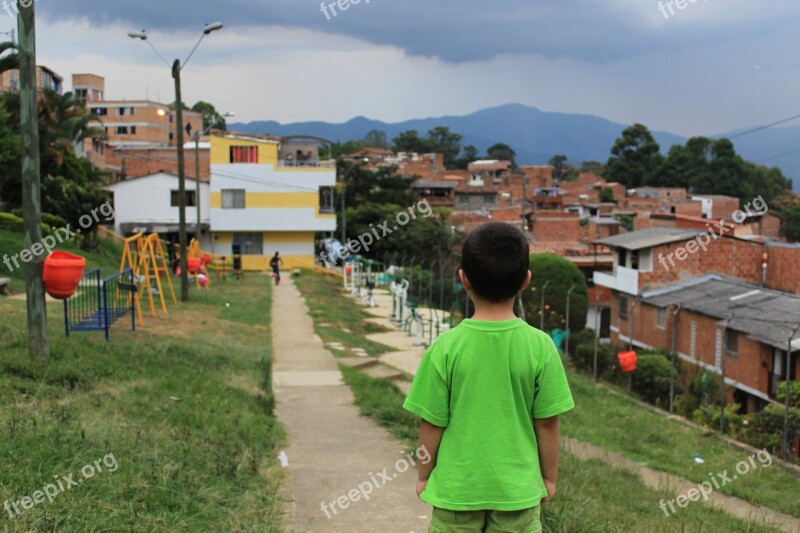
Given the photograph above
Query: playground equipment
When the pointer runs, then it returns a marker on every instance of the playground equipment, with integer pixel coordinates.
(99, 303)
(145, 257)
(62, 274)
(197, 263)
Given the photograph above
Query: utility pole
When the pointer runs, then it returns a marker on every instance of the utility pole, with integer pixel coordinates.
(176, 73)
(38, 345)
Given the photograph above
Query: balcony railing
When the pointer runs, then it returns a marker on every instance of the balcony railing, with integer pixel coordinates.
(285, 163)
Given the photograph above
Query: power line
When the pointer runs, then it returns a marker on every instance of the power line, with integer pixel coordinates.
(748, 132)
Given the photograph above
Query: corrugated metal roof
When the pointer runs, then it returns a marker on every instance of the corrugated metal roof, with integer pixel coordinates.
(765, 315)
(648, 238)
(433, 185)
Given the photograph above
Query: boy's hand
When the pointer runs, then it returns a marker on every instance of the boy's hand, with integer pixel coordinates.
(421, 486)
(551, 490)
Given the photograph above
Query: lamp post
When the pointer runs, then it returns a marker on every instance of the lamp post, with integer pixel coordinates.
(176, 74)
(197, 135)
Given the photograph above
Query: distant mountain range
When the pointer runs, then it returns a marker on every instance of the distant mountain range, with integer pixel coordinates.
(537, 135)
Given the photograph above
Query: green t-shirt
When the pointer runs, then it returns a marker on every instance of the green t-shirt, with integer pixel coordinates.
(485, 382)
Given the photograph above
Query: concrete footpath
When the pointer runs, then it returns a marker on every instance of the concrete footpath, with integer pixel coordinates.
(335, 454)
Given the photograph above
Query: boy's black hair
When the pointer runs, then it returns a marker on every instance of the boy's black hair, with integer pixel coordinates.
(495, 259)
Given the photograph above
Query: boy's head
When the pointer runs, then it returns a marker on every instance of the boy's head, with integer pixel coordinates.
(495, 260)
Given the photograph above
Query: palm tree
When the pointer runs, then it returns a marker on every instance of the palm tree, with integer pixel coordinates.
(8, 61)
(64, 122)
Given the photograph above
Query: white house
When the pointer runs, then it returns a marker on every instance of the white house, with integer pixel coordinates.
(150, 204)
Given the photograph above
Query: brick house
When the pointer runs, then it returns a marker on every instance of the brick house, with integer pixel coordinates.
(735, 301)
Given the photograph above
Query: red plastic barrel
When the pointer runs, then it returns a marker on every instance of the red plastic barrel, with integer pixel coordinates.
(62, 274)
(627, 361)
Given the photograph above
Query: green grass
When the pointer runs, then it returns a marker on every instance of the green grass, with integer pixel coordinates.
(622, 426)
(594, 496)
(337, 318)
(183, 404)
(106, 257)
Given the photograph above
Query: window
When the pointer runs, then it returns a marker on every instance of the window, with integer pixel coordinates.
(233, 199)
(490, 200)
(100, 111)
(122, 130)
(121, 111)
(174, 199)
(661, 318)
(463, 199)
(249, 243)
(133, 130)
(732, 342)
(623, 306)
(244, 154)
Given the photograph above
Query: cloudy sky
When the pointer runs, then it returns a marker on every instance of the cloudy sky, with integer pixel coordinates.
(714, 66)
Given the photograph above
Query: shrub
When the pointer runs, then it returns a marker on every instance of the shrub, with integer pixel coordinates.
(10, 222)
(562, 274)
(794, 393)
(584, 357)
(765, 428)
(581, 337)
(53, 221)
(708, 415)
(652, 377)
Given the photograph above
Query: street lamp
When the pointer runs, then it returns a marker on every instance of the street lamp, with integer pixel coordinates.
(176, 74)
(197, 135)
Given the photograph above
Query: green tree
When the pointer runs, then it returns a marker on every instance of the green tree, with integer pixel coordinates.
(595, 167)
(410, 141)
(445, 142)
(562, 274)
(9, 60)
(607, 195)
(376, 139)
(10, 159)
(635, 157)
(211, 118)
(468, 154)
(502, 152)
(558, 162)
(790, 223)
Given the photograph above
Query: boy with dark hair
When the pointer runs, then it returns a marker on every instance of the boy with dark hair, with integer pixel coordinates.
(489, 393)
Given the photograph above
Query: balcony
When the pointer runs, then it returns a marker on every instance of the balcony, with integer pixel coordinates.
(286, 163)
(623, 279)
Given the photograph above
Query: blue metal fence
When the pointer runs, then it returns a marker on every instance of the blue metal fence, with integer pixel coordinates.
(98, 303)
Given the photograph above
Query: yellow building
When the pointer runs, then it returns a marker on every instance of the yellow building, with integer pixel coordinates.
(265, 198)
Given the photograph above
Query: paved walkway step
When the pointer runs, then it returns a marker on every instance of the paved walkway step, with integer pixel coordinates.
(357, 362)
(383, 372)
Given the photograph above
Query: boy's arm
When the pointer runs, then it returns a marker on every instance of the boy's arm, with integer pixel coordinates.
(430, 437)
(548, 435)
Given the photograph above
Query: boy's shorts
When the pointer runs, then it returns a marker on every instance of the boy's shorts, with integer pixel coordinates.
(524, 521)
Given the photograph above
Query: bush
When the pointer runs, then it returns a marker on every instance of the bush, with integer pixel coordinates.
(10, 222)
(53, 221)
(794, 393)
(686, 405)
(652, 377)
(584, 358)
(765, 428)
(708, 415)
(562, 274)
(581, 337)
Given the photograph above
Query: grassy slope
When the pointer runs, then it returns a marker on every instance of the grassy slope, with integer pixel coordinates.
(608, 504)
(106, 257)
(183, 404)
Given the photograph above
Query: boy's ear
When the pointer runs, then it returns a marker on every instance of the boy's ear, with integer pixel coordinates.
(464, 280)
(526, 282)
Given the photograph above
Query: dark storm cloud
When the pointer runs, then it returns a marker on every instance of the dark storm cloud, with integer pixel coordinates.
(454, 30)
